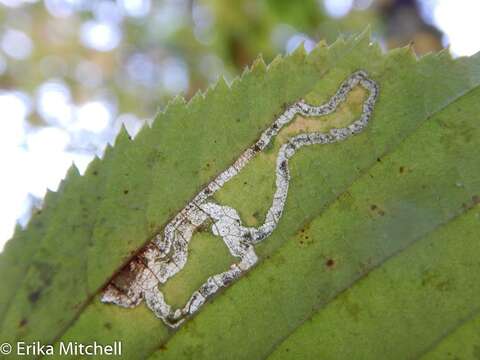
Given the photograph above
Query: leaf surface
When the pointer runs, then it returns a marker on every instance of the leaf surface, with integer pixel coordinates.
(365, 221)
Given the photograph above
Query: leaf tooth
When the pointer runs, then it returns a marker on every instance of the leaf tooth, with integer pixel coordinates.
(365, 37)
(407, 52)
(259, 66)
(299, 51)
(145, 125)
(92, 167)
(404, 53)
(277, 60)
(123, 129)
(106, 152)
(376, 48)
(123, 136)
(445, 54)
(72, 172)
(235, 81)
(197, 99)
(410, 51)
(221, 86)
(175, 104)
(320, 50)
(246, 71)
(178, 100)
(216, 88)
(339, 44)
(49, 196)
(429, 58)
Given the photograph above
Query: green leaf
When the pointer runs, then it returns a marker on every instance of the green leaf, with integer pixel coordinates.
(377, 235)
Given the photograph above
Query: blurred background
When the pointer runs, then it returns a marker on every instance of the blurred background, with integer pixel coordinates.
(72, 71)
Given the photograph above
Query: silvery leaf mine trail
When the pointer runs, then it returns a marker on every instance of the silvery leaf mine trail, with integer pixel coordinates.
(167, 253)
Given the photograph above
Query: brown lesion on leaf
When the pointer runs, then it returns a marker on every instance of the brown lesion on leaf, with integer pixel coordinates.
(439, 282)
(403, 170)
(34, 296)
(474, 200)
(119, 288)
(377, 210)
(305, 238)
(43, 273)
(330, 263)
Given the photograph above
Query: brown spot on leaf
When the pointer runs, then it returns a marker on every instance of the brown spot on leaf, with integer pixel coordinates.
(401, 169)
(23, 322)
(34, 296)
(474, 201)
(125, 192)
(377, 210)
(330, 263)
(127, 275)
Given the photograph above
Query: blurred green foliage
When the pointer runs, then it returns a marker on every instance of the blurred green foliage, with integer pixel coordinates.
(208, 38)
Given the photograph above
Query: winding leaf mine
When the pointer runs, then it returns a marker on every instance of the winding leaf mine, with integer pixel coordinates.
(166, 255)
